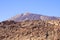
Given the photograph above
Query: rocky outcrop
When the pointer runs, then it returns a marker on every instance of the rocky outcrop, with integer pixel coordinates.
(30, 30)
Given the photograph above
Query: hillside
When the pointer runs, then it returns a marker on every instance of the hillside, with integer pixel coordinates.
(30, 30)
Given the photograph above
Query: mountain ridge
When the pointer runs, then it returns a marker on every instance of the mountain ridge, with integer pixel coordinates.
(31, 16)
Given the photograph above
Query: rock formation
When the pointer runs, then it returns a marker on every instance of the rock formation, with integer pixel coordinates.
(30, 30)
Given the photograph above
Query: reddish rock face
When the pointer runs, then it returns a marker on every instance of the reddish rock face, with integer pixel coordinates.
(30, 30)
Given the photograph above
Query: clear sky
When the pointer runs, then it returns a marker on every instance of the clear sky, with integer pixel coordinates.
(9, 8)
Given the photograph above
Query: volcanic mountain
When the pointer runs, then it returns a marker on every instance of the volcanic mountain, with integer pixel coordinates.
(31, 16)
(30, 26)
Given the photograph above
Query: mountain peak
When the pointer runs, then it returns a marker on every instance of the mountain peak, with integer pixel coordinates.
(26, 13)
(31, 16)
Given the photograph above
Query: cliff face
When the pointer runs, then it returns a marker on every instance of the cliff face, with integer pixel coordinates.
(30, 30)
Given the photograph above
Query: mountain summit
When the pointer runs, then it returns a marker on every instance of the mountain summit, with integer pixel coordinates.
(31, 16)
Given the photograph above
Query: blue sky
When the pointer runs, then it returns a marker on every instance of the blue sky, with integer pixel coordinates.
(9, 8)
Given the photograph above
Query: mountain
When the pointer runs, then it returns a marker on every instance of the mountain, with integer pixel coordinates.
(30, 30)
(29, 26)
(31, 16)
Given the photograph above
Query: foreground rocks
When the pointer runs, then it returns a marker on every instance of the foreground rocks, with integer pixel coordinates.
(30, 30)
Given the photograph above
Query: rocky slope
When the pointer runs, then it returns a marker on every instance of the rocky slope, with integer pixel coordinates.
(30, 30)
(31, 16)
